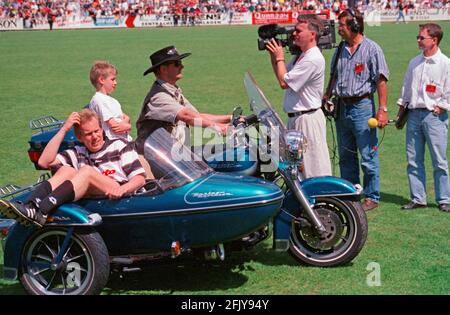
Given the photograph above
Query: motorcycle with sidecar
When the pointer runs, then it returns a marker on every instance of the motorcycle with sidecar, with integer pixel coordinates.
(191, 210)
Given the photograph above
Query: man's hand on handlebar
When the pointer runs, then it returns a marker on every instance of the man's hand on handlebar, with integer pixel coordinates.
(245, 120)
(238, 120)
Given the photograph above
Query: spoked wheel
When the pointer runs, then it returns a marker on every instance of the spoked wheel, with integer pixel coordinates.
(58, 261)
(346, 226)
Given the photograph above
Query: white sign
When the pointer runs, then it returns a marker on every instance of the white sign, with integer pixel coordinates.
(11, 24)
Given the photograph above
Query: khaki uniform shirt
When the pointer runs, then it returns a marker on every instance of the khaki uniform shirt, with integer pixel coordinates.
(160, 109)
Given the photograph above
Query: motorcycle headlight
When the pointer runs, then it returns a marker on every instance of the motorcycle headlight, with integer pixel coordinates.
(296, 144)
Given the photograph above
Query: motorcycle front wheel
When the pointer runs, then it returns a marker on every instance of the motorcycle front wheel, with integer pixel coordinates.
(83, 266)
(346, 232)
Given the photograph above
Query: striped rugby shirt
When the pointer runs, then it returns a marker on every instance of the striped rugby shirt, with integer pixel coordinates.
(359, 73)
(117, 159)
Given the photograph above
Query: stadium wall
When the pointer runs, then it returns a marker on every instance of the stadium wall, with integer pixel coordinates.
(75, 22)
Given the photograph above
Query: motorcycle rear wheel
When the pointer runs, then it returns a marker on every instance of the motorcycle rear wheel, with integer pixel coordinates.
(346, 225)
(84, 268)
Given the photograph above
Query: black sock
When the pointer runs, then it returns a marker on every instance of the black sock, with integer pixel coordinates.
(41, 191)
(62, 194)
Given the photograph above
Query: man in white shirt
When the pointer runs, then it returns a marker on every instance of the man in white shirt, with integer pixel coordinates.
(426, 92)
(303, 80)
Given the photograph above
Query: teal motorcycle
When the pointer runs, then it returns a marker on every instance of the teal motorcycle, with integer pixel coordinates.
(191, 210)
(321, 221)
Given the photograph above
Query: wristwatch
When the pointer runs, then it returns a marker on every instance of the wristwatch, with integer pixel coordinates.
(384, 109)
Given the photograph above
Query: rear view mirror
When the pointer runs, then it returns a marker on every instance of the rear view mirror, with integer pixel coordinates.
(237, 112)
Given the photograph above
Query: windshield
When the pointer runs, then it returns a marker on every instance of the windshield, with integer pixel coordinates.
(259, 103)
(268, 117)
(172, 163)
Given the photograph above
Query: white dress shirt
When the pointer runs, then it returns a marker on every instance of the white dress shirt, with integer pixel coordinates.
(427, 82)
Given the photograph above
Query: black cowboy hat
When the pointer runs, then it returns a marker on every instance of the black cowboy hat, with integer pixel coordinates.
(169, 53)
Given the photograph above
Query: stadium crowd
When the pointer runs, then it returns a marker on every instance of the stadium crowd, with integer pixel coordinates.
(50, 9)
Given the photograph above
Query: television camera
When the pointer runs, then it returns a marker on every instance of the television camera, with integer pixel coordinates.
(283, 34)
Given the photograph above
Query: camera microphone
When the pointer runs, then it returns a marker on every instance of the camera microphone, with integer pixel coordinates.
(373, 122)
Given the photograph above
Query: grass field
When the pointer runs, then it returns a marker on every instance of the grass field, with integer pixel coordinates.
(44, 73)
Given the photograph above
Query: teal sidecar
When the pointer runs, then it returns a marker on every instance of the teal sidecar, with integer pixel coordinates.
(191, 208)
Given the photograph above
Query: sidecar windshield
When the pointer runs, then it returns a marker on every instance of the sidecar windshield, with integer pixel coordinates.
(171, 162)
(266, 114)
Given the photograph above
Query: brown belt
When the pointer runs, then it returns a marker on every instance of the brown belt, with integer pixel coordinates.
(290, 115)
(354, 99)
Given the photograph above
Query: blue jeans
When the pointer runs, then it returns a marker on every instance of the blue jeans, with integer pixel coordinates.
(400, 16)
(353, 136)
(424, 127)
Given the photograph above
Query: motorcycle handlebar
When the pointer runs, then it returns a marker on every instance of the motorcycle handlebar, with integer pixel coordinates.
(248, 120)
(251, 119)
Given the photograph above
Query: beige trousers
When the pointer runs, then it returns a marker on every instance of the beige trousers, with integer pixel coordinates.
(147, 168)
(316, 158)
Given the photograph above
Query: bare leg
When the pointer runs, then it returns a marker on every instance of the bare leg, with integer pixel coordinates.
(64, 173)
(88, 179)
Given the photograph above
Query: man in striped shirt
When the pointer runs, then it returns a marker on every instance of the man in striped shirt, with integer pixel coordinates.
(102, 167)
(361, 70)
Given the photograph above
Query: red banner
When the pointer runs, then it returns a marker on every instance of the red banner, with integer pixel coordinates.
(129, 22)
(288, 17)
(272, 17)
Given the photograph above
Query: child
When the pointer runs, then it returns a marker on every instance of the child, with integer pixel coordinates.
(114, 122)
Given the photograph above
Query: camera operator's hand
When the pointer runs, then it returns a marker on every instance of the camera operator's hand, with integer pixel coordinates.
(276, 51)
(278, 63)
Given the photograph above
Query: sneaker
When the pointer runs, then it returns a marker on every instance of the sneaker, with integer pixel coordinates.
(28, 213)
(6, 211)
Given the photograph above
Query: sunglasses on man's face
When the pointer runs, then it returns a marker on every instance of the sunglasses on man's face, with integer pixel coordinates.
(421, 38)
(176, 63)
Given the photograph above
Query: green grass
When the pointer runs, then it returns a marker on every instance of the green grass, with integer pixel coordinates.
(47, 73)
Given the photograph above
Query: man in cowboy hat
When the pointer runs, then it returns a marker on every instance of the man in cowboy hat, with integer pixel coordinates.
(165, 106)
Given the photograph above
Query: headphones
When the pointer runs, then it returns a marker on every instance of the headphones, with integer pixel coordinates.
(353, 23)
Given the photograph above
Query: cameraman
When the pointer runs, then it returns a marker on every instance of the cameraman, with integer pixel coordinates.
(303, 80)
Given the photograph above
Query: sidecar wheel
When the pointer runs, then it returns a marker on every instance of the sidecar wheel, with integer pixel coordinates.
(346, 225)
(83, 270)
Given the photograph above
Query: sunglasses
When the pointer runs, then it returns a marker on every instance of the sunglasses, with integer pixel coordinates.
(176, 63)
(422, 38)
